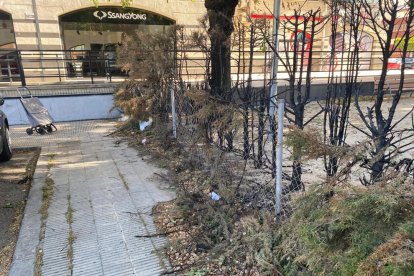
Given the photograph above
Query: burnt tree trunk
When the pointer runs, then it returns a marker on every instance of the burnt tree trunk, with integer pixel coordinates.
(262, 110)
(296, 183)
(298, 64)
(337, 105)
(220, 14)
(380, 124)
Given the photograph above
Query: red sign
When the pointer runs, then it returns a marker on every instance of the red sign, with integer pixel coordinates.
(261, 16)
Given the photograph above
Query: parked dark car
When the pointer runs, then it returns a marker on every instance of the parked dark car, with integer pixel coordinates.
(5, 142)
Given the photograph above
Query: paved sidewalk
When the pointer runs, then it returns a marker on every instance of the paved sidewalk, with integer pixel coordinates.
(102, 198)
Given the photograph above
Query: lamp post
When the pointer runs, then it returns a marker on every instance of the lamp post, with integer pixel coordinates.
(275, 62)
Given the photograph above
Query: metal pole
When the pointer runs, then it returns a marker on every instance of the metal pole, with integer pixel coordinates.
(173, 111)
(275, 62)
(279, 155)
(9, 70)
(90, 66)
(21, 69)
(58, 66)
(38, 37)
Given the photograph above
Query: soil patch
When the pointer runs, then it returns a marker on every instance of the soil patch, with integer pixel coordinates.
(15, 180)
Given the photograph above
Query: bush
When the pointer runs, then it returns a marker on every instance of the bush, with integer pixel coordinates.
(357, 231)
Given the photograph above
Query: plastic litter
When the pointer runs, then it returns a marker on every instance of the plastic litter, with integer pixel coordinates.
(144, 124)
(215, 196)
(124, 118)
(144, 141)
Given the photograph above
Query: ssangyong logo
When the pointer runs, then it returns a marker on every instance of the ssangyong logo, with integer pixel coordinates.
(117, 15)
(100, 14)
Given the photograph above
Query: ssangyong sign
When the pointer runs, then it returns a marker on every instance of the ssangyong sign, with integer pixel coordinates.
(100, 14)
(113, 15)
(119, 15)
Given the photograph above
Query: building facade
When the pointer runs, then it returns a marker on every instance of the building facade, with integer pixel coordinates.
(47, 24)
(39, 28)
(72, 32)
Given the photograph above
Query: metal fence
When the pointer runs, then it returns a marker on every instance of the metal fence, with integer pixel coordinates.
(50, 66)
(257, 140)
(254, 137)
(254, 140)
(57, 66)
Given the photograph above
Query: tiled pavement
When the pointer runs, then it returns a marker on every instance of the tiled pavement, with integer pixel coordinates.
(111, 192)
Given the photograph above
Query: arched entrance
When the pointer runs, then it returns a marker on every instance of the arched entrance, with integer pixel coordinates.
(7, 39)
(91, 36)
(8, 56)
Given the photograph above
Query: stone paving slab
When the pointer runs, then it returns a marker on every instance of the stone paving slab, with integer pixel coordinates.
(102, 184)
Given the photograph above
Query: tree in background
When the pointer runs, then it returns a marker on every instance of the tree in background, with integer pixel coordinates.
(297, 59)
(151, 69)
(401, 42)
(220, 14)
(381, 124)
(345, 40)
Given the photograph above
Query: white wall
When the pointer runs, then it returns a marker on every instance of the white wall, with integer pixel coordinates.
(70, 108)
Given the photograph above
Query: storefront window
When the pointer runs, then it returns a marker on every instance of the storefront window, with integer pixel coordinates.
(8, 57)
(7, 40)
(100, 31)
